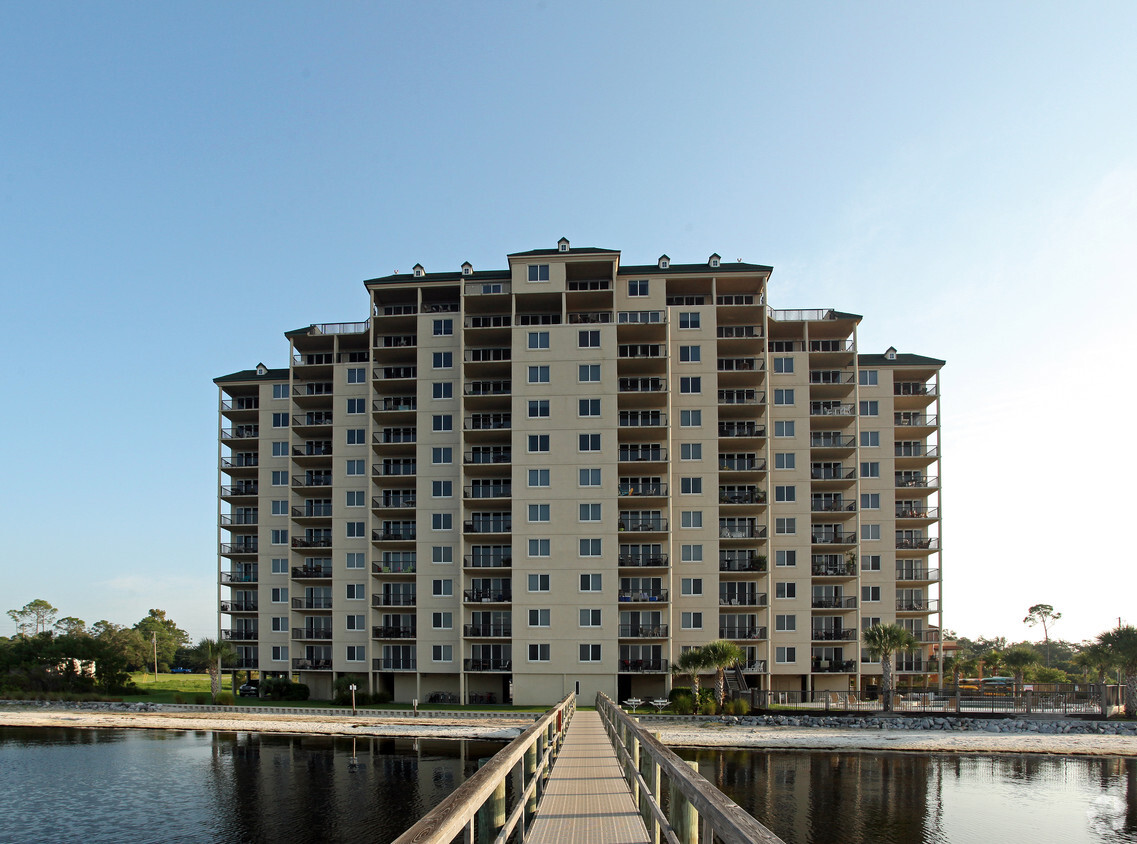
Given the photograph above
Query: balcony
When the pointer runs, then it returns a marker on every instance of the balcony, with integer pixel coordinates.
(396, 341)
(394, 599)
(312, 542)
(918, 543)
(394, 566)
(487, 561)
(834, 666)
(917, 575)
(742, 631)
(313, 359)
(832, 505)
(487, 354)
(835, 472)
(238, 519)
(496, 455)
(388, 631)
(233, 549)
(241, 489)
(835, 538)
(727, 531)
(239, 635)
(742, 599)
(475, 389)
(311, 633)
(641, 350)
(741, 463)
(393, 663)
(754, 563)
(309, 421)
(917, 512)
(312, 511)
(590, 317)
(311, 573)
(589, 284)
(394, 500)
(742, 332)
(240, 432)
(642, 385)
(245, 663)
(654, 454)
(831, 377)
(317, 602)
(840, 567)
(239, 606)
(641, 317)
(488, 491)
(643, 666)
(741, 429)
(643, 560)
(394, 373)
(407, 534)
(395, 436)
(916, 482)
(825, 634)
(832, 408)
(395, 404)
(643, 596)
(741, 397)
(833, 602)
(311, 479)
(489, 422)
(751, 495)
(240, 462)
(487, 664)
(497, 631)
(395, 467)
(740, 364)
(831, 439)
(643, 631)
(487, 596)
(504, 525)
(487, 288)
(915, 420)
(650, 490)
(229, 577)
(925, 605)
(642, 419)
(489, 321)
(913, 388)
(641, 525)
(756, 666)
(311, 665)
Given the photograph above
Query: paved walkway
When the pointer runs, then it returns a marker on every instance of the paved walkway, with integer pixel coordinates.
(587, 800)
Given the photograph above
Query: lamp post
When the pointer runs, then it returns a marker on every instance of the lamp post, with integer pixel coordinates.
(353, 687)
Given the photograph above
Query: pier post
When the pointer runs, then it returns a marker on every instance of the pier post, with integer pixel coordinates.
(633, 766)
(684, 818)
(530, 773)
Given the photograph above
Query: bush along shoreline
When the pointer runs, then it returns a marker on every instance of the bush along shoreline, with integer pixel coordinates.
(1049, 726)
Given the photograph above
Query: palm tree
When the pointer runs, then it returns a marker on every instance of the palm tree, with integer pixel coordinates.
(1094, 657)
(1017, 660)
(215, 653)
(1122, 646)
(959, 665)
(882, 641)
(991, 662)
(719, 655)
(690, 662)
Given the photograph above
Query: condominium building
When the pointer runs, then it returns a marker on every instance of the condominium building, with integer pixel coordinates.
(514, 483)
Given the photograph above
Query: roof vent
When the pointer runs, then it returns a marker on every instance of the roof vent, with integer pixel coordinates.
(664, 262)
(419, 271)
(563, 245)
(715, 259)
(467, 268)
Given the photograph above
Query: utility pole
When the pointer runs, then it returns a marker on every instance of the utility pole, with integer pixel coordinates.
(154, 641)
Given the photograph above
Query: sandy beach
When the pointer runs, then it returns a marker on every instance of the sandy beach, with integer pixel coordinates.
(506, 727)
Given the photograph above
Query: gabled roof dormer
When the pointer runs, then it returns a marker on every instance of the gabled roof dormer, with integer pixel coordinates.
(714, 260)
(891, 353)
(419, 271)
(563, 245)
(664, 262)
(262, 369)
(467, 268)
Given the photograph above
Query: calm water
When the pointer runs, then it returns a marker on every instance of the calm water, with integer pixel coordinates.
(68, 785)
(816, 797)
(89, 786)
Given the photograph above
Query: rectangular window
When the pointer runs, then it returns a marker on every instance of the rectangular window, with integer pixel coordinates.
(280, 653)
(355, 622)
(442, 422)
(588, 373)
(355, 530)
(784, 655)
(280, 508)
(356, 436)
(785, 589)
(356, 653)
(785, 527)
(538, 443)
(357, 375)
(280, 449)
(638, 287)
(785, 493)
(590, 512)
(279, 566)
(691, 620)
(783, 397)
(356, 498)
(538, 583)
(691, 586)
(538, 339)
(442, 554)
(590, 547)
(442, 653)
(784, 460)
(867, 377)
(538, 477)
(538, 512)
(539, 547)
(870, 470)
(589, 618)
(539, 409)
(689, 319)
(785, 623)
(442, 389)
(691, 518)
(690, 354)
(691, 553)
(280, 420)
(279, 595)
(442, 489)
(280, 624)
(690, 451)
(870, 562)
(588, 407)
(784, 429)
(589, 339)
(280, 478)
(870, 532)
(691, 384)
(442, 360)
(870, 408)
(870, 501)
(357, 467)
(590, 582)
(691, 486)
(783, 366)
(590, 477)
(785, 559)
(539, 652)
(589, 442)
(280, 391)
(279, 536)
(442, 587)
(690, 418)
(354, 591)
(356, 560)
(870, 594)
(443, 327)
(539, 374)
(539, 618)
(870, 439)
(442, 521)
(589, 653)
(538, 272)
(441, 455)
(355, 406)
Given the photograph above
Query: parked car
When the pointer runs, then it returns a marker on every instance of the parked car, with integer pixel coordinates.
(249, 689)
(180, 671)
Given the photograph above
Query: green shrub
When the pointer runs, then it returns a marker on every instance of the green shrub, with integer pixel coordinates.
(381, 697)
(341, 694)
(298, 691)
(707, 707)
(224, 699)
(682, 705)
(738, 706)
(179, 698)
(201, 699)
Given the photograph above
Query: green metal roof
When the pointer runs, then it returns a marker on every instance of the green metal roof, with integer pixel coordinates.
(252, 375)
(736, 267)
(899, 360)
(404, 278)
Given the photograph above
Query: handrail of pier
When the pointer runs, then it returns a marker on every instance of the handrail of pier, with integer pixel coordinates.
(479, 802)
(696, 805)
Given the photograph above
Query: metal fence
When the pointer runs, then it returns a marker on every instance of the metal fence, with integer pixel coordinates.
(1028, 699)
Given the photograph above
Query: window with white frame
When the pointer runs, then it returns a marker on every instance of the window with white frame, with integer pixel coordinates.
(691, 621)
(356, 436)
(357, 467)
(590, 653)
(870, 469)
(870, 439)
(785, 622)
(870, 532)
(785, 460)
(440, 455)
(280, 478)
(870, 562)
(590, 512)
(540, 617)
(280, 508)
(442, 521)
(785, 493)
(442, 389)
(784, 428)
(589, 442)
(870, 501)
(691, 518)
(356, 622)
(280, 624)
(690, 354)
(279, 536)
(280, 391)
(689, 319)
(638, 287)
(538, 339)
(357, 375)
(442, 360)
(280, 653)
(589, 477)
(280, 449)
(279, 566)
(589, 339)
(590, 582)
(538, 272)
(538, 582)
(355, 498)
(538, 443)
(442, 620)
(539, 547)
(442, 653)
(538, 477)
(590, 547)
(785, 558)
(539, 409)
(442, 554)
(783, 366)
(691, 384)
(588, 407)
(280, 420)
(870, 594)
(539, 512)
(539, 652)
(355, 530)
(355, 592)
(870, 408)
(589, 618)
(785, 589)
(355, 406)
(442, 587)
(783, 396)
(785, 655)
(355, 560)
(690, 418)
(785, 526)
(691, 586)
(868, 377)
(279, 595)
(539, 374)
(690, 451)
(442, 489)
(691, 553)
(588, 373)
(443, 327)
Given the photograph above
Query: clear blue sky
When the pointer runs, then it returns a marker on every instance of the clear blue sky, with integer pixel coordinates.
(182, 183)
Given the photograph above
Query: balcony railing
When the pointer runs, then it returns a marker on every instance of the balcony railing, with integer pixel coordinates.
(829, 376)
(640, 350)
(489, 422)
(488, 491)
(312, 511)
(922, 543)
(480, 561)
(394, 567)
(642, 595)
(240, 489)
(311, 572)
(487, 664)
(643, 525)
(833, 538)
(740, 364)
(492, 630)
(390, 631)
(643, 560)
(917, 512)
(322, 602)
(832, 505)
(312, 542)
(238, 518)
(741, 429)
(386, 535)
(239, 635)
(754, 666)
(488, 388)
(741, 397)
(481, 458)
(842, 568)
(824, 634)
(641, 317)
(590, 317)
(488, 526)
(834, 602)
(642, 385)
(489, 321)
(311, 665)
(487, 596)
(756, 563)
(230, 548)
(240, 432)
(915, 481)
(393, 663)
(741, 631)
(394, 502)
(739, 331)
(642, 419)
(642, 455)
(397, 341)
(906, 574)
(311, 633)
(742, 464)
(742, 599)
(910, 388)
(643, 666)
(312, 480)
(238, 606)
(742, 531)
(830, 666)
(395, 403)
(833, 473)
(394, 599)
(747, 496)
(925, 605)
(832, 408)
(312, 420)
(488, 354)
(648, 489)
(238, 577)
(643, 631)
(829, 439)
(914, 420)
